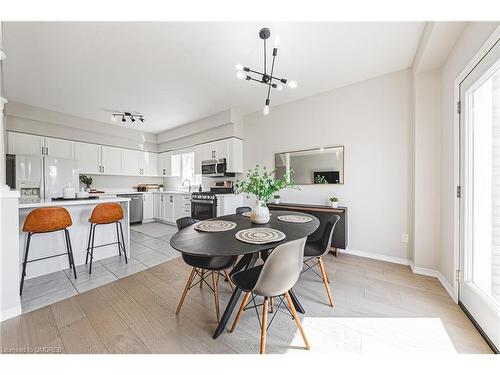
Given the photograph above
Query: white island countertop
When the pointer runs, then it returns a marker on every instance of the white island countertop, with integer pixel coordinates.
(71, 202)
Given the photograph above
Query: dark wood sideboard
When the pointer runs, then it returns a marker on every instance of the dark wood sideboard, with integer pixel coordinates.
(339, 239)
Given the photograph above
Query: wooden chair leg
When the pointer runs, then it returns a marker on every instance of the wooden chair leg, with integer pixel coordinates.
(229, 280)
(326, 272)
(241, 310)
(188, 285)
(263, 330)
(325, 281)
(296, 318)
(216, 294)
(202, 278)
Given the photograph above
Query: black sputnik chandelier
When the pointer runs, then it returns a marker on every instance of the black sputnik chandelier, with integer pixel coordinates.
(267, 77)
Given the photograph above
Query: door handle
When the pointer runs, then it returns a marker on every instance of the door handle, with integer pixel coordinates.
(42, 151)
(46, 150)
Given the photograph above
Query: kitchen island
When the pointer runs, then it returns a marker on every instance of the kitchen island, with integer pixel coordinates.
(47, 244)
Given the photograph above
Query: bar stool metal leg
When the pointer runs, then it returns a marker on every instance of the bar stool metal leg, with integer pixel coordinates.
(25, 262)
(70, 251)
(123, 242)
(118, 241)
(92, 249)
(88, 244)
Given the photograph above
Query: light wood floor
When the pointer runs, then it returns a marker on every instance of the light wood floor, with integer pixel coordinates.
(380, 307)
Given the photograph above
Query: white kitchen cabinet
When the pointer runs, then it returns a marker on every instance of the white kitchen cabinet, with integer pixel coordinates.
(147, 207)
(25, 144)
(88, 156)
(169, 208)
(157, 209)
(131, 163)
(234, 155)
(182, 206)
(111, 160)
(148, 164)
(59, 148)
(175, 165)
(165, 164)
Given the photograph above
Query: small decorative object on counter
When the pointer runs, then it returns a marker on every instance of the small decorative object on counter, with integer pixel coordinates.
(160, 187)
(86, 180)
(277, 199)
(334, 201)
(263, 186)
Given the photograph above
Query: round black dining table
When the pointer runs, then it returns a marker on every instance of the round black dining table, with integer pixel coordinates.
(194, 242)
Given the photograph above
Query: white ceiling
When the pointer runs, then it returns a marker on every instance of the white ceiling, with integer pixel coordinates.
(176, 73)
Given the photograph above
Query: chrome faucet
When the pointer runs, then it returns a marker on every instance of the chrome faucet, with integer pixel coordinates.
(189, 182)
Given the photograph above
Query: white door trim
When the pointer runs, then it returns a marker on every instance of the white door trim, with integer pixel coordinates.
(490, 42)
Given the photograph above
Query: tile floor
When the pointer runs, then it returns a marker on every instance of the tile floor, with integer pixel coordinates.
(149, 246)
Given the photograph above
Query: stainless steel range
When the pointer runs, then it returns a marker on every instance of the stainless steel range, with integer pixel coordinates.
(203, 205)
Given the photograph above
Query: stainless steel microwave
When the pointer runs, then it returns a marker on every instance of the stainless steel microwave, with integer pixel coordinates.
(214, 168)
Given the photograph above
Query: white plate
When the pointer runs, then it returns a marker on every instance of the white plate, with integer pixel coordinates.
(295, 218)
(214, 226)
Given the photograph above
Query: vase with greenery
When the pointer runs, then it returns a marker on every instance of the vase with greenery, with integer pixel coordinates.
(334, 201)
(86, 180)
(263, 185)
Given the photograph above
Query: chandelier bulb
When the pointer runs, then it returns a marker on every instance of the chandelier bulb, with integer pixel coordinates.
(240, 74)
(292, 84)
(113, 118)
(238, 67)
(279, 87)
(265, 111)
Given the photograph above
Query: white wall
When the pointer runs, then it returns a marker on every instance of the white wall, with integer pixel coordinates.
(426, 179)
(470, 41)
(372, 119)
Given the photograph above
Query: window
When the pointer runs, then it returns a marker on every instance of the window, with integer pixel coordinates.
(183, 166)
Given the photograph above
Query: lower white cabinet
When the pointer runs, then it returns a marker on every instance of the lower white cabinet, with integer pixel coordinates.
(147, 207)
(163, 209)
(182, 206)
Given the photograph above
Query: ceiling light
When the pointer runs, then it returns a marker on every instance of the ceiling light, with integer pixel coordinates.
(141, 119)
(113, 118)
(123, 118)
(240, 74)
(267, 77)
(132, 116)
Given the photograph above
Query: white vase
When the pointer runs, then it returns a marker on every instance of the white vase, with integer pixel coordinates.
(260, 214)
(334, 204)
(277, 200)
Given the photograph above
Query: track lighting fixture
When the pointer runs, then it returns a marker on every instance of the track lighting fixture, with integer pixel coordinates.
(267, 78)
(129, 115)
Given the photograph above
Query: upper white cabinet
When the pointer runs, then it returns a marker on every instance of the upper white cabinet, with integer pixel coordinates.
(59, 148)
(25, 144)
(28, 144)
(230, 149)
(111, 160)
(164, 164)
(234, 154)
(131, 163)
(148, 164)
(88, 156)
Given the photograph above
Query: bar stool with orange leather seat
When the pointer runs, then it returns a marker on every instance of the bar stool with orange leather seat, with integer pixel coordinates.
(47, 220)
(106, 213)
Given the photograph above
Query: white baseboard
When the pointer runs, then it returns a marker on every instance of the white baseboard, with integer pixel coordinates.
(10, 313)
(407, 262)
(385, 258)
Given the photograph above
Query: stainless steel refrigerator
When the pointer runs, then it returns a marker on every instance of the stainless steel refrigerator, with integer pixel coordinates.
(41, 177)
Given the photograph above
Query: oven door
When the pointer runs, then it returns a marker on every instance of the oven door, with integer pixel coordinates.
(203, 209)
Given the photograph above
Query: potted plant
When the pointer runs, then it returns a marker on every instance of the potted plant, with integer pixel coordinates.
(86, 180)
(334, 201)
(263, 186)
(277, 199)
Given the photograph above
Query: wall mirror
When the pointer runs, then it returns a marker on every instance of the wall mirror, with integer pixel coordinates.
(323, 165)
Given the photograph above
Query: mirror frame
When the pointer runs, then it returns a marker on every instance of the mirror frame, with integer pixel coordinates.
(317, 148)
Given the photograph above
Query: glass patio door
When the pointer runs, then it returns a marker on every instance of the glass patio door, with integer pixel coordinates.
(479, 290)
